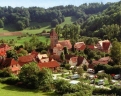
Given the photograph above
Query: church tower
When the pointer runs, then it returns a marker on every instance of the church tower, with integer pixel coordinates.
(53, 38)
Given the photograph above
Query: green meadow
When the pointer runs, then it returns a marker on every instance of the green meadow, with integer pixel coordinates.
(10, 90)
(44, 26)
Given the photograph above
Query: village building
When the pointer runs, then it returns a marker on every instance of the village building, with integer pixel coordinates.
(104, 46)
(12, 64)
(78, 61)
(3, 49)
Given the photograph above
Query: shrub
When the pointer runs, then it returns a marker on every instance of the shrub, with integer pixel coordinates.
(102, 75)
(67, 66)
(5, 72)
(10, 80)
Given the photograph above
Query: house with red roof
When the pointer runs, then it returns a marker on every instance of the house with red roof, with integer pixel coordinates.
(103, 60)
(78, 61)
(80, 46)
(26, 59)
(104, 45)
(58, 49)
(12, 64)
(3, 49)
(53, 65)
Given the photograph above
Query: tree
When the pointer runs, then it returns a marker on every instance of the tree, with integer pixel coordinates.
(12, 54)
(116, 52)
(23, 52)
(1, 24)
(62, 56)
(80, 71)
(45, 78)
(29, 75)
(54, 23)
(65, 50)
(20, 25)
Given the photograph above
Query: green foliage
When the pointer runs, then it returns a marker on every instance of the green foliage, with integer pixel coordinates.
(64, 88)
(45, 79)
(1, 24)
(29, 75)
(67, 66)
(80, 71)
(116, 52)
(12, 54)
(6, 72)
(10, 80)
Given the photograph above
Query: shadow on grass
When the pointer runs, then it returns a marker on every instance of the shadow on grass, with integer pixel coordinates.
(19, 89)
(10, 28)
(16, 88)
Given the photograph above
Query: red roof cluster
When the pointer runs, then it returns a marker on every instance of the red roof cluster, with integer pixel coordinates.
(51, 64)
(65, 43)
(106, 45)
(25, 59)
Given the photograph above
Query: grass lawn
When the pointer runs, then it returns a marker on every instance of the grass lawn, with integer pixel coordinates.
(22, 40)
(9, 90)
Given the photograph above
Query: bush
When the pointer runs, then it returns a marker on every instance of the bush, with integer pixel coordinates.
(100, 91)
(67, 66)
(10, 80)
(102, 75)
(5, 72)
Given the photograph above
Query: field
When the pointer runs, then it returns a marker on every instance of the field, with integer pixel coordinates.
(22, 40)
(44, 26)
(9, 90)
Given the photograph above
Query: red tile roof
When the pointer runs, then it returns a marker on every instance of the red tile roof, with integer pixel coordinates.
(106, 45)
(51, 64)
(25, 59)
(103, 60)
(82, 47)
(5, 46)
(79, 60)
(65, 43)
(59, 46)
(9, 62)
(34, 53)
(90, 47)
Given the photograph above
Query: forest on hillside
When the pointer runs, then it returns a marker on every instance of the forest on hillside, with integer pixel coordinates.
(95, 19)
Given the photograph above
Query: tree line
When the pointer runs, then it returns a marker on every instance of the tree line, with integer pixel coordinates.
(21, 17)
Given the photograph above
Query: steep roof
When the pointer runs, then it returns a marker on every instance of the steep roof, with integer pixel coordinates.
(65, 43)
(106, 45)
(90, 47)
(74, 59)
(78, 44)
(50, 64)
(53, 33)
(79, 60)
(59, 47)
(25, 59)
(103, 60)
(9, 62)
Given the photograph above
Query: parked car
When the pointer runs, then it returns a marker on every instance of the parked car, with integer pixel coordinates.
(117, 76)
(101, 71)
(75, 76)
(90, 70)
(101, 82)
